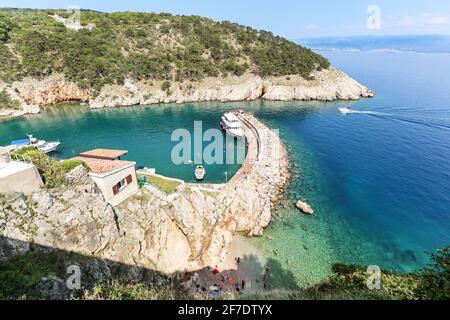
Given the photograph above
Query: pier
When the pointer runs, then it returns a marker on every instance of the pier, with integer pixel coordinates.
(253, 191)
(261, 154)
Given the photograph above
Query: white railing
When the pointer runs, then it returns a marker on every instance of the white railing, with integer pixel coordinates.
(20, 158)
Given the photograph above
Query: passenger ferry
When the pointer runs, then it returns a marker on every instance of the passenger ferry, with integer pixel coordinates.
(231, 125)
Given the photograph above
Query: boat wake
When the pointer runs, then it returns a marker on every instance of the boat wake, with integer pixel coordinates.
(399, 118)
(374, 113)
(429, 124)
(346, 111)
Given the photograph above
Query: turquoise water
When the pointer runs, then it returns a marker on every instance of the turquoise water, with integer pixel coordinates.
(145, 132)
(379, 182)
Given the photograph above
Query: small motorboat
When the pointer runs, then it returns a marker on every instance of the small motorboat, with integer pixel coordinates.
(345, 110)
(42, 145)
(200, 173)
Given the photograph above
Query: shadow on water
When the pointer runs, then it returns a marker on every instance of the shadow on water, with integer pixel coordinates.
(32, 271)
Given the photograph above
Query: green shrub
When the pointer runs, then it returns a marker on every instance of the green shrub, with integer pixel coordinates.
(69, 165)
(350, 282)
(51, 171)
(435, 280)
(143, 46)
(166, 86)
(6, 26)
(20, 276)
(117, 291)
(15, 105)
(7, 103)
(5, 100)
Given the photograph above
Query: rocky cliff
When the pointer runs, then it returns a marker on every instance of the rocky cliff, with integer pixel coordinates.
(328, 85)
(189, 233)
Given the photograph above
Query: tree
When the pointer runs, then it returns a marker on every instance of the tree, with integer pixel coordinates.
(5, 27)
(142, 46)
(166, 86)
(7, 103)
(435, 280)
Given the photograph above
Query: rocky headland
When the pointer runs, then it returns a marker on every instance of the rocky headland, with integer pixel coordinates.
(328, 85)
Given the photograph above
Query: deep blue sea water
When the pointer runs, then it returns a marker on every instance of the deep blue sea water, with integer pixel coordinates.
(379, 181)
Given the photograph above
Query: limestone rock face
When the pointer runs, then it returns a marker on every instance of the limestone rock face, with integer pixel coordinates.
(187, 234)
(326, 85)
(53, 288)
(51, 90)
(79, 175)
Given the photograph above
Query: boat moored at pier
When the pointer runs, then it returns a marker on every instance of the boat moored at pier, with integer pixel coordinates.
(42, 145)
(232, 125)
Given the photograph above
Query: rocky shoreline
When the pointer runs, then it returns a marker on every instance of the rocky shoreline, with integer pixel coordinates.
(328, 85)
(190, 233)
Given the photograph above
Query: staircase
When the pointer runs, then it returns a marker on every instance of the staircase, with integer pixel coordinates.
(159, 194)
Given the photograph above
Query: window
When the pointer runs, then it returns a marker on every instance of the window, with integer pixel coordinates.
(122, 184)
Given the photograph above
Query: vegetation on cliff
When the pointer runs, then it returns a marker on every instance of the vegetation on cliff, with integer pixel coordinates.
(21, 278)
(6, 102)
(53, 172)
(142, 46)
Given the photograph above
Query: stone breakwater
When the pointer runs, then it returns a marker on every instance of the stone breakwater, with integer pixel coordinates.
(328, 85)
(187, 234)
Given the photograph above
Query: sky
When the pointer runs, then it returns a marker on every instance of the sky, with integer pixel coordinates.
(293, 19)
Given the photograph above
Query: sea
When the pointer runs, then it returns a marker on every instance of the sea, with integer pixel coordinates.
(378, 178)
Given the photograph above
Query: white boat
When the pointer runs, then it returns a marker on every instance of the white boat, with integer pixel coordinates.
(231, 125)
(46, 147)
(200, 173)
(345, 110)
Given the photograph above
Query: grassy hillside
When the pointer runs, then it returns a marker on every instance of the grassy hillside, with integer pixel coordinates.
(142, 46)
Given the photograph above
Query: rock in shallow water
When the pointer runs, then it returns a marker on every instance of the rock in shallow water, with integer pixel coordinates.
(304, 207)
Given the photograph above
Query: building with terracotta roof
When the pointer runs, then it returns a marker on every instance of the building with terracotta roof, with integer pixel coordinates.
(106, 154)
(115, 178)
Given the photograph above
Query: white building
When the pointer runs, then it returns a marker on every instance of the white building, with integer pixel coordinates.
(115, 178)
(18, 176)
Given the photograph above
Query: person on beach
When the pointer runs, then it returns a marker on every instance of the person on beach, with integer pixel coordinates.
(266, 276)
